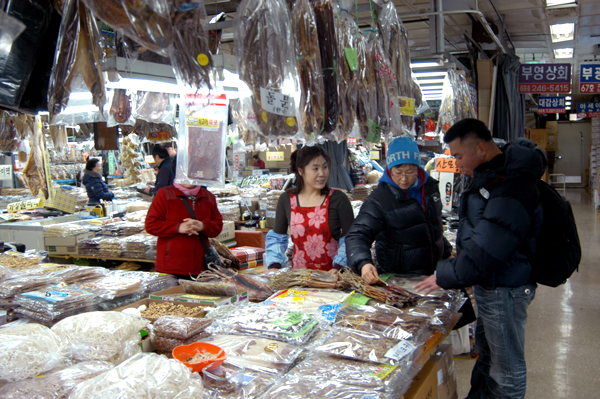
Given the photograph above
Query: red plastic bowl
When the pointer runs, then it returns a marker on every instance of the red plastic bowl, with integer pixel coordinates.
(184, 352)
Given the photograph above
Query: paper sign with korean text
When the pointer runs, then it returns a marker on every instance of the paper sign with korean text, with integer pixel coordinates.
(551, 105)
(407, 106)
(277, 103)
(351, 140)
(588, 110)
(545, 78)
(589, 78)
(275, 156)
(446, 165)
(374, 155)
(5, 172)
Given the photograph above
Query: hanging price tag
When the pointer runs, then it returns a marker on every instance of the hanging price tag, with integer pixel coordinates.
(407, 106)
(446, 165)
(352, 58)
(202, 122)
(399, 351)
(277, 103)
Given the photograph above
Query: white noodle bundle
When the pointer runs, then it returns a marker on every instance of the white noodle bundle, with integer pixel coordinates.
(29, 350)
(146, 375)
(109, 336)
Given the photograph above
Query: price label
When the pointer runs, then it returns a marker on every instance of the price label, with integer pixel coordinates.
(399, 351)
(148, 159)
(407, 106)
(383, 371)
(277, 103)
(270, 214)
(202, 122)
(446, 165)
(351, 140)
(352, 58)
(24, 205)
(275, 156)
(374, 155)
(5, 172)
(246, 202)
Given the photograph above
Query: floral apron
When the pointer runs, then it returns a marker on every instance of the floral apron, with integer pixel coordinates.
(314, 246)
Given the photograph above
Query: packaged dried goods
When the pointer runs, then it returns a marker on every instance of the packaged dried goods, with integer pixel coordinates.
(218, 288)
(233, 381)
(54, 385)
(121, 112)
(303, 278)
(162, 344)
(257, 290)
(146, 375)
(179, 327)
(155, 107)
(53, 303)
(158, 309)
(391, 295)
(20, 261)
(113, 286)
(34, 171)
(29, 350)
(366, 111)
(346, 27)
(25, 282)
(108, 336)
(299, 388)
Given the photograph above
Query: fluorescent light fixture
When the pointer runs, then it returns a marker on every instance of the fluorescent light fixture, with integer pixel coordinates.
(146, 85)
(427, 74)
(568, 103)
(567, 97)
(562, 32)
(563, 52)
(82, 95)
(430, 88)
(424, 64)
(429, 81)
(431, 134)
(567, 107)
(553, 3)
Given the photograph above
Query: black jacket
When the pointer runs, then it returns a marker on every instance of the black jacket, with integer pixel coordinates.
(409, 239)
(165, 175)
(500, 216)
(95, 187)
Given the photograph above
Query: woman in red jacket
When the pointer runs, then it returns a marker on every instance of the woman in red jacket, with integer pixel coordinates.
(179, 250)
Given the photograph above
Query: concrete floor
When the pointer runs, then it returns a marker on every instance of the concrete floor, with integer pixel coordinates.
(562, 345)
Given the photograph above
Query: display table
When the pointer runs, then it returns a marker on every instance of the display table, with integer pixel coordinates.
(103, 258)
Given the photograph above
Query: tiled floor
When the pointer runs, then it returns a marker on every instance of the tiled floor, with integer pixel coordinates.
(563, 329)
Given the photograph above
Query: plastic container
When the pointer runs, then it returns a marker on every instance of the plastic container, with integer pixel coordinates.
(226, 378)
(184, 352)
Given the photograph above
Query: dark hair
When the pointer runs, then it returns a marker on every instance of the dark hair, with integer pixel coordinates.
(255, 156)
(468, 128)
(91, 163)
(168, 145)
(160, 151)
(301, 158)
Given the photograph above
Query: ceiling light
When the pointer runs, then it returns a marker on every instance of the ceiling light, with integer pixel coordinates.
(431, 88)
(552, 3)
(563, 52)
(568, 103)
(429, 81)
(567, 107)
(426, 74)
(567, 97)
(426, 64)
(562, 32)
(80, 95)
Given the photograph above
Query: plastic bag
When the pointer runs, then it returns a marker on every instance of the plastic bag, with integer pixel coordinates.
(113, 286)
(300, 388)
(56, 301)
(108, 336)
(179, 327)
(228, 382)
(10, 29)
(217, 288)
(155, 107)
(367, 97)
(166, 345)
(146, 375)
(121, 109)
(203, 131)
(29, 350)
(267, 63)
(55, 385)
(145, 21)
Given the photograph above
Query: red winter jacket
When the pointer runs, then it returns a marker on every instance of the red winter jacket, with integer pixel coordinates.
(179, 253)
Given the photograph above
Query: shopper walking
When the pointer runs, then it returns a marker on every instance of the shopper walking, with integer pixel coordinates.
(179, 250)
(500, 217)
(318, 217)
(165, 175)
(404, 215)
(92, 180)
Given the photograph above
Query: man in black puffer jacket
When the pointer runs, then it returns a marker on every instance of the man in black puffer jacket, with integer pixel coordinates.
(500, 218)
(403, 215)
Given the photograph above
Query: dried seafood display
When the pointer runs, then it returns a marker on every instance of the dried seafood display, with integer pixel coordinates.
(229, 260)
(190, 55)
(268, 64)
(156, 310)
(217, 287)
(163, 344)
(34, 171)
(309, 67)
(179, 327)
(300, 388)
(304, 278)
(388, 294)
(257, 291)
(120, 108)
(154, 107)
(346, 28)
(387, 92)
(366, 111)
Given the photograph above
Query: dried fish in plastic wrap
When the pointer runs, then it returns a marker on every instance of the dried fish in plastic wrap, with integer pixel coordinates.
(179, 327)
(258, 290)
(226, 382)
(267, 63)
(163, 344)
(346, 28)
(155, 107)
(300, 388)
(144, 21)
(366, 111)
(214, 36)
(34, 171)
(190, 54)
(217, 288)
(312, 98)
(121, 109)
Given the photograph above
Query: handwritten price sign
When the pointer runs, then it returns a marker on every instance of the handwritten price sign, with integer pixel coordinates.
(447, 165)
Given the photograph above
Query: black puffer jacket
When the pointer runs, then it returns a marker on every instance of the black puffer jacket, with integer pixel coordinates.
(96, 188)
(500, 216)
(409, 239)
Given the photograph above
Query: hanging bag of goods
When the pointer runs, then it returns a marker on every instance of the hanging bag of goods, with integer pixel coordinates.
(121, 109)
(203, 133)
(190, 54)
(309, 68)
(366, 110)
(267, 63)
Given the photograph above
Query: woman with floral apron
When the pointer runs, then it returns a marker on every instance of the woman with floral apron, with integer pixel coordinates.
(318, 217)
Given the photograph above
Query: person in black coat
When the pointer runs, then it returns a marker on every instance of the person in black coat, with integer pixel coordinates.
(165, 175)
(403, 215)
(94, 185)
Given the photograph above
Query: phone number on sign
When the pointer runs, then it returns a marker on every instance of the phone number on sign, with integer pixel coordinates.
(545, 88)
(589, 87)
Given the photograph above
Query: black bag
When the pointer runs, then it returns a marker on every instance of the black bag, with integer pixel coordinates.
(558, 251)
(210, 253)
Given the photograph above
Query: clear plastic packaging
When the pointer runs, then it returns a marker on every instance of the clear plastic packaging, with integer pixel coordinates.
(146, 375)
(208, 288)
(29, 350)
(113, 286)
(300, 388)
(159, 309)
(233, 381)
(55, 385)
(155, 107)
(57, 301)
(367, 97)
(108, 336)
(179, 327)
(26, 282)
(121, 109)
(162, 344)
(267, 63)
(203, 131)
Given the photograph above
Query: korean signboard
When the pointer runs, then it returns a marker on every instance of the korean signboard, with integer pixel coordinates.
(5, 172)
(551, 105)
(589, 78)
(588, 110)
(275, 156)
(447, 165)
(545, 78)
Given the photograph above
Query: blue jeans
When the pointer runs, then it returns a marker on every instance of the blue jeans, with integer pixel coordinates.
(500, 370)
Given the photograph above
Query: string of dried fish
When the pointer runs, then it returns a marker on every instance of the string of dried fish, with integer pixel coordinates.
(395, 296)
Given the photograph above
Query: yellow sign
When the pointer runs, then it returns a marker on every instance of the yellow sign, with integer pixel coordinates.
(275, 156)
(25, 205)
(447, 165)
(374, 155)
(407, 105)
(202, 122)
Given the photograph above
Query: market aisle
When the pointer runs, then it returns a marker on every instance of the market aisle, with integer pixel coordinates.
(563, 323)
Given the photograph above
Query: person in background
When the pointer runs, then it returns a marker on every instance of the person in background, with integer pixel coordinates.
(173, 154)
(258, 163)
(500, 216)
(318, 217)
(403, 215)
(165, 175)
(179, 250)
(105, 169)
(92, 180)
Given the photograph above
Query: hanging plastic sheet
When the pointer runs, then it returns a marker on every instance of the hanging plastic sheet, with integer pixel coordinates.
(367, 97)
(155, 107)
(121, 109)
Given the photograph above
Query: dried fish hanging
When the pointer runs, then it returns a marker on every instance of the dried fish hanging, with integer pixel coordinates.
(59, 136)
(8, 131)
(312, 98)
(77, 52)
(146, 22)
(121, 109)
(34, 171)
(190, 54)
(366, 109)
(267, 63)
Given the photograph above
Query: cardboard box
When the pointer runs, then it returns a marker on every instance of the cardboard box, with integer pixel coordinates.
(67, 241)
(539, 136)
(283, 163)
(552, 136)
(446, 379)
(227, 234)
(424, 385)
(175, 294)
(62, 250)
